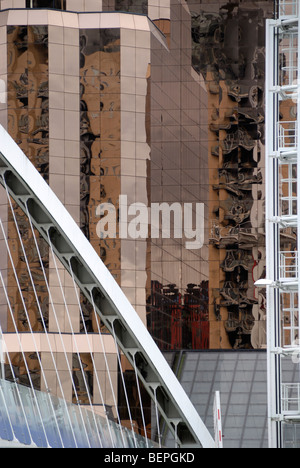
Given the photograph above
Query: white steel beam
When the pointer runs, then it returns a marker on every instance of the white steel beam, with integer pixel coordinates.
(271, 230)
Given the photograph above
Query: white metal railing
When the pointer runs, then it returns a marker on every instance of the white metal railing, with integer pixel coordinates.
(288, 206)
(288, 50)
(288, 189)
(287, 8)
(289, 319)
(287, 135)
(288, 265)
(290, 398)
(289, 77)
(290, 435)
(282, 92)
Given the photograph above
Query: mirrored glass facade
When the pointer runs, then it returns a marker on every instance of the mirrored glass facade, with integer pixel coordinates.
(208, 145)
(229, 52)
(165, 112)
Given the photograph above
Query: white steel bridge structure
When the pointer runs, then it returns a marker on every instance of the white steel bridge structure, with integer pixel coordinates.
(38, 417)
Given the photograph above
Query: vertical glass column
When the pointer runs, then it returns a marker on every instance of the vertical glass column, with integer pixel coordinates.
(282, 240)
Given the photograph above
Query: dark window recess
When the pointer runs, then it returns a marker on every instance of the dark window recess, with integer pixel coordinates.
(55, 4)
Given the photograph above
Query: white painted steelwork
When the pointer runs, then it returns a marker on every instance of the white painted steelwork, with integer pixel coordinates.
(57, 227)
(218, 421)
(282, 220)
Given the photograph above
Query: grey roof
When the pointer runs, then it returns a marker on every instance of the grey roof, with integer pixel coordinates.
(241, 378)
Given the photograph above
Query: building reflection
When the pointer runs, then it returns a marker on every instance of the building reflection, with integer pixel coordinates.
(228, 49)
(179, 321)
(228, 52)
